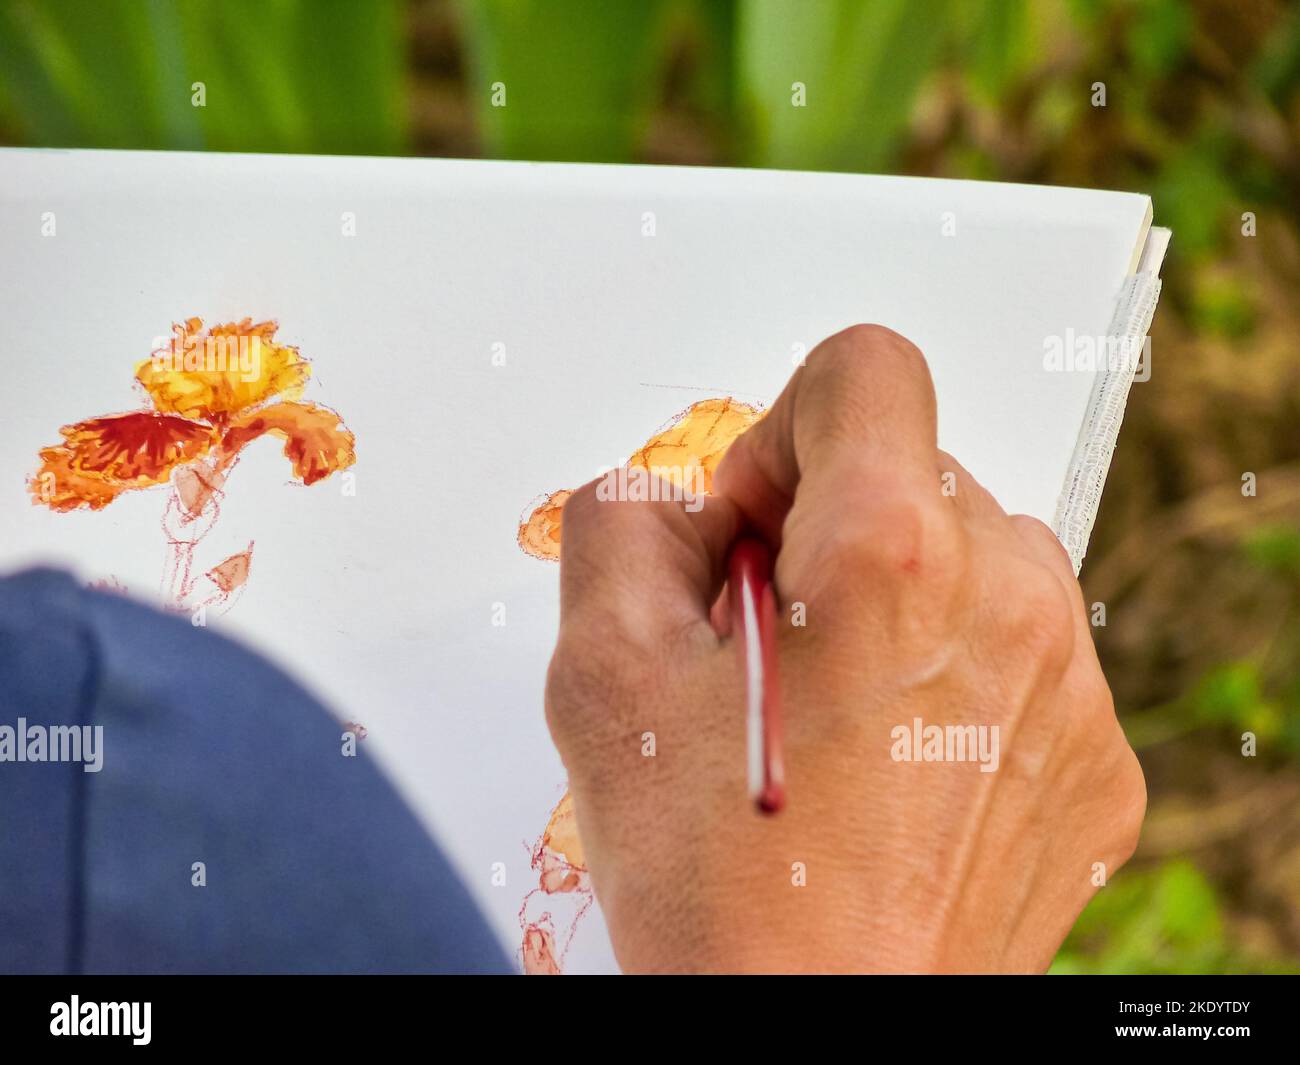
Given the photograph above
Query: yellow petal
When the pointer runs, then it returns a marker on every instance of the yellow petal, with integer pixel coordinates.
(561, 835)
(695, 441)
(686, 452)
(217, 373)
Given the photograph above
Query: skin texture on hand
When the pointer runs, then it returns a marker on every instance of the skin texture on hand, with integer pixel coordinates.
(919, 599)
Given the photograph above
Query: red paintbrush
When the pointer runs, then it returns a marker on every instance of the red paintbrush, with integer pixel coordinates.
(753, 616)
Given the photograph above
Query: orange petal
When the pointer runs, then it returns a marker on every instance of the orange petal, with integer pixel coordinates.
(217, 373)
(316, 440)
(196, 485)
(103, 457)
(561, 835)
(539, 533)
(232, 573)
(686, 452)
(539, 952)
(58, 486)
(696, 440)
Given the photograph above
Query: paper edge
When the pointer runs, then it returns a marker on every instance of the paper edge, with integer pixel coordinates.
(1076, 510)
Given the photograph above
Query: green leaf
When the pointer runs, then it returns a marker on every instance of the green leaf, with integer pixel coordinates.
(714, 25)
(1087, 13)
(1277, 70)
(1290, 714)
(1194, 196)
(1232, 695)
(564, 79)
(93, 74)
(999, 45)
(293, 75)
(1185, 900)
(1164, 920)
(1160, 35)
(1220, 305)
(1227, 694)
(860, 67)
(278, 75)
(1275, 547)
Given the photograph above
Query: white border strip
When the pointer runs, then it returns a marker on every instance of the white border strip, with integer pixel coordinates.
(1076, 511)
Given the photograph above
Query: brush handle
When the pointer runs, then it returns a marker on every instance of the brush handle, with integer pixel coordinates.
(753, 616)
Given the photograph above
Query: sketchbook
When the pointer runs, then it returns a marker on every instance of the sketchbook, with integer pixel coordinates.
(331, 407)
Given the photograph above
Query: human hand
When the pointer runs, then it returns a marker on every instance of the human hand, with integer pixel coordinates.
(916, 604)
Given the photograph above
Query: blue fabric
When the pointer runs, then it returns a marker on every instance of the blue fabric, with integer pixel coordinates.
(210, 754)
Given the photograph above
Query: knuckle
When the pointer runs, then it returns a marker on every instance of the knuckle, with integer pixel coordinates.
(1039, 614)
(563, 697)
(1028, 525)
(581, 684)
(1130, 799)
(906, 534)
(1039, 532)
(1092, 707)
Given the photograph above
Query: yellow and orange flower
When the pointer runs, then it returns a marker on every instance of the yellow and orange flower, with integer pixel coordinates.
(211, 393)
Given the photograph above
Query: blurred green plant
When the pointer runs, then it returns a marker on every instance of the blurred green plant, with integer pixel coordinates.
(1233, 696)
(1165, 921)
(1230, 696)
(814, 85)
(563, 79)
(1220, 305)
(997, 42)
(1275, 548)
(277, 75)
(1159, 35)
(829, 84)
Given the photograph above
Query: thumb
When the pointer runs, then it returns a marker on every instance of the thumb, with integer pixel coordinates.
(644, 569)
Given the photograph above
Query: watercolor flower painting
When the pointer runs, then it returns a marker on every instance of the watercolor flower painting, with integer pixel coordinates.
(209, 394)
(686, 452)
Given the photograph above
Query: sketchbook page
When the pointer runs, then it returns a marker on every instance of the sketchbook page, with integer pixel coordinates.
(489, 333)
